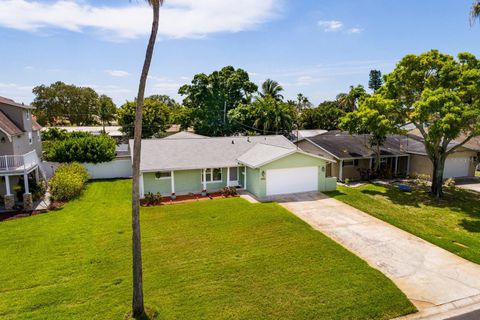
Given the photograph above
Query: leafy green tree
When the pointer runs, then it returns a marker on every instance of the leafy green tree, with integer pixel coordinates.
(155, 118)
(375, 80)
(475, 12)
(211, 97)
(265, 115)
(302, 103)
(441, 97)
(107, 110)
(165, 99)
(372, 117)
(326, 116)
(60, 101)
(348, 101)
(271, 88)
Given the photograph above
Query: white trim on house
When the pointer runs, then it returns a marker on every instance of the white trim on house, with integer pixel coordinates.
(286, 155)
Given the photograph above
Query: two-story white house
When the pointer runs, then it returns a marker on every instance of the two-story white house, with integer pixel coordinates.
(20, 150)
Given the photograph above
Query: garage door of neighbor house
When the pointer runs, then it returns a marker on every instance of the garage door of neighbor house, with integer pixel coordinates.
(292, 180)
(456, 167)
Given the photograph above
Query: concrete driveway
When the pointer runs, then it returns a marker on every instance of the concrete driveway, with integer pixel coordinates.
(472, 183)
(427, 274)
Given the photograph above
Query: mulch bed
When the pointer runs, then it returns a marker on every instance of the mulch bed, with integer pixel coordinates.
(187, 198)
(20, 214)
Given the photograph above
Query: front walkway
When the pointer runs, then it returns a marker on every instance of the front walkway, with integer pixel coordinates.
(427, 274)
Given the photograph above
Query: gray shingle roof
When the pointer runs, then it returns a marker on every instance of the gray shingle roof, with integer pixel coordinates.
(184, 135)
(7, 126)
(184, 154)
(10, 102)
(263, 153)
(345, 146)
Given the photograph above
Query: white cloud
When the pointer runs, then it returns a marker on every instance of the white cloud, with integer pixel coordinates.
(355, 30)
(178, 18)
(305, 80)
(117, 73)
(331, 25)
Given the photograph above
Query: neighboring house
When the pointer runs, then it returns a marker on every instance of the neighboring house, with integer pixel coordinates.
(299, 135)
(400, 156)
(113, 131)
(461, 163)
(263, 165)
(353, 157)
(20, 149)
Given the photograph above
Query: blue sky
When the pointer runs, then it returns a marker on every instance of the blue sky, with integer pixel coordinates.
(316, 47)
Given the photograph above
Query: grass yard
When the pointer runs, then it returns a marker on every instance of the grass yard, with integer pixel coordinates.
(220, 259)
(453, 223)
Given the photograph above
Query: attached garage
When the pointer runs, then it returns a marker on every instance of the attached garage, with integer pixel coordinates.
(457, 167)
(291, 180)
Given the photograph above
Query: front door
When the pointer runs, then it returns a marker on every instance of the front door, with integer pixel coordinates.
(233, 176)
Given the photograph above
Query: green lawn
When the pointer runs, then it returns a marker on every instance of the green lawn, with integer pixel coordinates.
(453, 223)
(220, 259)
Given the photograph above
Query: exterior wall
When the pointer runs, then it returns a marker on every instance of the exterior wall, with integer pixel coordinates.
(18, 116)
(352, 172)
(256, 178)
(6, 147)
(186, 181)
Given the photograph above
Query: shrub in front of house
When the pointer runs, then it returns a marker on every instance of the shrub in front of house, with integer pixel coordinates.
(68, 181)
(81, 148)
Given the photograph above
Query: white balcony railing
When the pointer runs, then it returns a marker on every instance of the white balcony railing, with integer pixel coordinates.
(19, 162)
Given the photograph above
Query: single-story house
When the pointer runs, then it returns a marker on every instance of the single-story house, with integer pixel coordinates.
(401, 155)
(353, 156)
(262, 165)
(113, 131)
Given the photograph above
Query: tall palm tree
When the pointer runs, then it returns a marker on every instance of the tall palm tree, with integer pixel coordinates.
(271, 88)
(138, 308)
(475, 12)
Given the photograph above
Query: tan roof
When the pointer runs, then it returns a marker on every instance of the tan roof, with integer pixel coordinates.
(10, 102)
(7, 126)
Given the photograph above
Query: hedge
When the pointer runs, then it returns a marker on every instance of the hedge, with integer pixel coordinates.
(81, 148)
(68, 181)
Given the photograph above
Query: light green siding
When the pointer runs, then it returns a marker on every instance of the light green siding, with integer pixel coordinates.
(186, 181)
(257, 178)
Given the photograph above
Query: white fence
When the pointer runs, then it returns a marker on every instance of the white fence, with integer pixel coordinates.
(117, 168)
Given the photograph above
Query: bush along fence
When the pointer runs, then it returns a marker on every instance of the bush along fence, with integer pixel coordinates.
(68, 182)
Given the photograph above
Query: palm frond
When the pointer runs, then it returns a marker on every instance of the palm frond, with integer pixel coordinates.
(475, 12)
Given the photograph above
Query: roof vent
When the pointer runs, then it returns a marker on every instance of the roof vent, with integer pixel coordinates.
(248, 139)
(233, 142)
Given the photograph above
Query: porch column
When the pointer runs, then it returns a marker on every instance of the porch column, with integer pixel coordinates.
(228, 176)
(205, 179)
(396, 165)
(408, 165)
(37, 175)
(340, 171)
(7, 185)
(245, 178)
(25, 182)
(141, 191)
(172, 173)
(371, 163)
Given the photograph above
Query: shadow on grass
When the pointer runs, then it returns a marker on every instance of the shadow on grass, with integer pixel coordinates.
(458, 200)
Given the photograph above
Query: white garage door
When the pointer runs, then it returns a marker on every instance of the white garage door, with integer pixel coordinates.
(456, 167)
(292, 180)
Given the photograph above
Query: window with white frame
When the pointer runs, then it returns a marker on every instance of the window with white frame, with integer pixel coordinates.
(161, 175)
(213, 175)
(350, 163)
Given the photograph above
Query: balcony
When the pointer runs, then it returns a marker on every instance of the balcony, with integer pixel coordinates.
(19, 163)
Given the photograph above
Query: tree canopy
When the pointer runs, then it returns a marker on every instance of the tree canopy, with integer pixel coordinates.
(156, 118)
(348, 101)
(326, 116)
(375, 80)
(440, 96)
(211, 97)
(272, 88)
(67, 103)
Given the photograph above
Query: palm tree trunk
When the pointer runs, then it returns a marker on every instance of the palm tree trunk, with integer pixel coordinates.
(138, 308)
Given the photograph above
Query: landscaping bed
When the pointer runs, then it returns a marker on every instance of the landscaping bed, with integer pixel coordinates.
(452, 223)
(223, 259)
